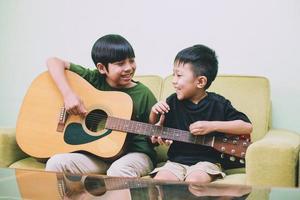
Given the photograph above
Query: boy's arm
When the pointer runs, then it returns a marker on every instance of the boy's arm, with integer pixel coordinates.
(72, 102)
(160, 108)
(153, 118)
(235, 127)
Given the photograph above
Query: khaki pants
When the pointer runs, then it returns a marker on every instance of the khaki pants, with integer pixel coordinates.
(130, 165)
(181, 171)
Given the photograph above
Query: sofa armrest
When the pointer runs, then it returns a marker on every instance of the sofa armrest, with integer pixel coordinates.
(9, 150)
(273, 160)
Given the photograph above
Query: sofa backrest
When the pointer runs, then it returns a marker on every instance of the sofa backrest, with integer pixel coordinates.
(248, 94)
(153, 82)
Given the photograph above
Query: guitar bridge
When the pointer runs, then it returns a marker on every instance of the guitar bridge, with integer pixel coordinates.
(62, 120)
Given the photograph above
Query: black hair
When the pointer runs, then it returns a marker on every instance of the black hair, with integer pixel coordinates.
(203, 60)
(111, 48)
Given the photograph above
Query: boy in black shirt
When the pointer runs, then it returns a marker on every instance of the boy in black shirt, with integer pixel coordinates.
(194, 109)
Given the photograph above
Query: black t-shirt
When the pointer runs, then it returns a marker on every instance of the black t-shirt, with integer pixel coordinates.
(182, 113)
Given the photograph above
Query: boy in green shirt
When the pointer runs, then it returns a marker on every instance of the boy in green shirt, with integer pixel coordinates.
(114, 58)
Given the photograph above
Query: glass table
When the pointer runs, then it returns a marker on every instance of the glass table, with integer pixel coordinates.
(32, 184)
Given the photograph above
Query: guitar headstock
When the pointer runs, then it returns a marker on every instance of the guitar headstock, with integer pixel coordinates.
(234, 145)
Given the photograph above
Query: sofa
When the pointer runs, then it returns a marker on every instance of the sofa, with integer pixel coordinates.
(271, 160)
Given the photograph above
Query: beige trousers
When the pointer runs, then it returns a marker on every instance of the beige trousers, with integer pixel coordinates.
(130, 165)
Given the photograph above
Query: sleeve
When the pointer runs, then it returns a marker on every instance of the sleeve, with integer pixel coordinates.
(151, 100)
(232, 114)
(141, 143)
(91, 76)
(171, 101)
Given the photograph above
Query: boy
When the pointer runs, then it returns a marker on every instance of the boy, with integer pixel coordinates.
(114, 60)
(193, 108)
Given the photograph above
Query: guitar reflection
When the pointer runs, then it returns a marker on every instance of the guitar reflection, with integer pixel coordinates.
(92, 186)
(95, 187)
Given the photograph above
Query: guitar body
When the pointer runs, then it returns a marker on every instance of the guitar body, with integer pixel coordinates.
(39, 115)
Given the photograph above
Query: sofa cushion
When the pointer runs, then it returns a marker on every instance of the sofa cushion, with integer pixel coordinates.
(239, 179)
(9, 150)
(28, 163)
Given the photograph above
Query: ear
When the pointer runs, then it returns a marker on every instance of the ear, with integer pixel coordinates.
(101, 68)
(201, 81)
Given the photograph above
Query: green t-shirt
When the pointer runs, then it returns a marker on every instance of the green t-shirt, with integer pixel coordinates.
(143, 100)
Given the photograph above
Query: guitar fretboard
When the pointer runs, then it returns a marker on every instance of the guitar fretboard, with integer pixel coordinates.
(125, 183)
(149, 130)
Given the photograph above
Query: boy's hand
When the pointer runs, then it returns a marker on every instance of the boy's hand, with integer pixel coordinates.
(74, 105)
(201, 127)
(160, 108)
(158, 139)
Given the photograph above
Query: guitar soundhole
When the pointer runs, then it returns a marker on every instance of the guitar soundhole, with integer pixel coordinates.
(95, 185)
(96, 120)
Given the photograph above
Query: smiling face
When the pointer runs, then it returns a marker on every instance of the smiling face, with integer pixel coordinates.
(120, 73)
(186, 84)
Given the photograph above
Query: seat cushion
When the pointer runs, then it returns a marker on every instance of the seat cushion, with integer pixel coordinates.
(239, 179)
(9, 150)
(28, 163)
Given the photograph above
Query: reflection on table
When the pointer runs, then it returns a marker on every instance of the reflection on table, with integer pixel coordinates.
(29, 184)
(91, 186)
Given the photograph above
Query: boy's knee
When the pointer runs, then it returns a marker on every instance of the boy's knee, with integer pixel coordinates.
(131, 165)
(117, 170)
(55, 163)
(200, 177)
(62, 163)
(166, 175)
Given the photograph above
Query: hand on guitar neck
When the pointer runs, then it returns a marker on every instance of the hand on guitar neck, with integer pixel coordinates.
(158, 139)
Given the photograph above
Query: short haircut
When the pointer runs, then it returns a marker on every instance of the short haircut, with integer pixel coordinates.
(111, 48)
(203, 60)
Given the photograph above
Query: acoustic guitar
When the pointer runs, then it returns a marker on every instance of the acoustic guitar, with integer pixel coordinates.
(44, 127)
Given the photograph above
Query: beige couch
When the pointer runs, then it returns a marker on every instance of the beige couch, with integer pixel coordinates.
(271, 160)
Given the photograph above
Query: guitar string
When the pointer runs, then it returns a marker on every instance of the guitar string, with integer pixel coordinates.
(96, 118)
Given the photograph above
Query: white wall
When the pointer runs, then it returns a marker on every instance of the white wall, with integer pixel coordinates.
(252, 37)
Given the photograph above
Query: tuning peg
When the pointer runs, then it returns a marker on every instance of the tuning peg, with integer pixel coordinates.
(242, 161)
(225, 139)
(222, 155)
(234, 142)
(231, 158)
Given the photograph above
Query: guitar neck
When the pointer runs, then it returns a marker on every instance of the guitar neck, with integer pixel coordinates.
(99, 185)
(149, 130)
(125, 183)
